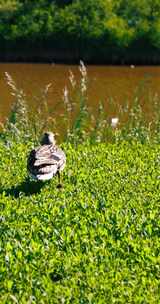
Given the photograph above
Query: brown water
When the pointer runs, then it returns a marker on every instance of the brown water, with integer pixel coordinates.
(118, 82)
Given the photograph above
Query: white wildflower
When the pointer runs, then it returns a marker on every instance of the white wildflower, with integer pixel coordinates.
(114, 122)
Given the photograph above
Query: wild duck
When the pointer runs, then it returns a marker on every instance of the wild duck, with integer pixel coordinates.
(46, 161)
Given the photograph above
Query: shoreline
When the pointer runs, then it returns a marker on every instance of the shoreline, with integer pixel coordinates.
(70, 57)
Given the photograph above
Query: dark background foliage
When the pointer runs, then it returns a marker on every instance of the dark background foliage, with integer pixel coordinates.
(95, 31)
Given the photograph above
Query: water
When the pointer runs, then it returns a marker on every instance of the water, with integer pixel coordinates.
(105, 82)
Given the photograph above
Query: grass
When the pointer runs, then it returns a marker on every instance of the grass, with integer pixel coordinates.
(96, 240)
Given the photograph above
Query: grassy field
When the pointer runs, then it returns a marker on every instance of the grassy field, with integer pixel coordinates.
(94, 241)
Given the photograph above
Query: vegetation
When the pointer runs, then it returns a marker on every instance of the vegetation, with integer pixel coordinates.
(97, 239)
(95, 31)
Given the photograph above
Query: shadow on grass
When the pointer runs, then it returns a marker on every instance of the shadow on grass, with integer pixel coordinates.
(26, 188)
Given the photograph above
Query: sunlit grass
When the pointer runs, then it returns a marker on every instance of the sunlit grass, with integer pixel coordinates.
(94, 241)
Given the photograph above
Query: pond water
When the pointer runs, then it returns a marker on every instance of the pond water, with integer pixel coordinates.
(121, 83)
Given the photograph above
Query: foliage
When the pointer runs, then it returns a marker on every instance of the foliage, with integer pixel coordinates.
(94, 241)
(101, 29)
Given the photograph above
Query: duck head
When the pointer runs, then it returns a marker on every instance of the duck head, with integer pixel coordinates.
(48, 139)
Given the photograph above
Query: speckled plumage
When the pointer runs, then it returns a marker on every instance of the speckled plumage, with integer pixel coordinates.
(46, 161)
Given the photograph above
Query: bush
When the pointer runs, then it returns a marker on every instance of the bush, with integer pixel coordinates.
(94, 28)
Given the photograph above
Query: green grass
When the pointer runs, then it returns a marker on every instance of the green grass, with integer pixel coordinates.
(94, 241)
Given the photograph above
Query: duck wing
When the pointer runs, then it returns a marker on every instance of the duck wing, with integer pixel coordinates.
(44, 154)
(60, 156)
(46, 159)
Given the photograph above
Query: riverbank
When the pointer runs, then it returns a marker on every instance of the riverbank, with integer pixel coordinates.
(68, 54)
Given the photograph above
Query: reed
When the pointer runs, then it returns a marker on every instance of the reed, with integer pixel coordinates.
(78, 121)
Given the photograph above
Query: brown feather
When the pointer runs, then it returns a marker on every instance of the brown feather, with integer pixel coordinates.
(46, 159)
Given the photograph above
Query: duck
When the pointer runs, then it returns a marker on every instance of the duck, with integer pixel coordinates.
(47, 160)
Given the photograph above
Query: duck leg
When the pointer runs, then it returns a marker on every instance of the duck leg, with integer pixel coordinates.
(59, 180)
